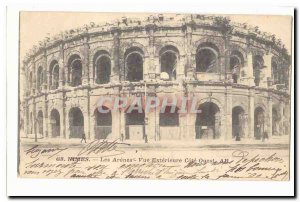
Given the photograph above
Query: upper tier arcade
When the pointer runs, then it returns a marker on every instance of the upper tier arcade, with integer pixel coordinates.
(185, 48)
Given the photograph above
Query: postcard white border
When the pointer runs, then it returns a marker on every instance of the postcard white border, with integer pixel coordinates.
(89, 187)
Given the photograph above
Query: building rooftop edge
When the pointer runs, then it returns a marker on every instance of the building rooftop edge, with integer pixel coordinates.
(223, 23)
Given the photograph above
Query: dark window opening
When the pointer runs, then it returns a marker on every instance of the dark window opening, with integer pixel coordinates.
(134, 67)
(258, 64)
(103, 69)
(55, 123)
(76, 123)
(40, 122)
(275, 73)
(40, 78)
(207, 58)
(238, 122)
(236, 62)
(208, 122)
(275, 122)
(206, 61)
(259, 122)
(54, 75)
(168, 61)
(75, 68)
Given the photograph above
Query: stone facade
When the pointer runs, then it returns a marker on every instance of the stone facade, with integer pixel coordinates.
(64, 77)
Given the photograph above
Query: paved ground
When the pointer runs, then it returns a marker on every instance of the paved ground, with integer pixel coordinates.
(281, 142)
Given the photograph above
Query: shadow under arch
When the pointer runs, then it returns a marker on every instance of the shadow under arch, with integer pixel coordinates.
(76, 123)
(259, 122)
(135, 124)
(208, 121)
(55, 123)
(238, 122)
(103, 123)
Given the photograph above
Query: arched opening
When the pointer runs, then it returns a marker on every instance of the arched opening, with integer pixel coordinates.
(54, 75)
(55, 123)
(258, 64)
(208, 121)
(102, 67)
(40, 79)
(168, 61)
(103, 123)
(75, 70)
(169, 123)
(134, 65)
(259, 123)
(40, 123)
(135, 125)
(236, 62)
(238, 122)
(275, 73)
(275, 122)
(76, 123)
(207, 58)
(284, 77)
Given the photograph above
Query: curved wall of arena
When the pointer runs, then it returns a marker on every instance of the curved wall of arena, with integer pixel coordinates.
(239, 74)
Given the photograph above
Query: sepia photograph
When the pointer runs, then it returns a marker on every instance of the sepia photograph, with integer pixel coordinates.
(150, 102)
(154, 96)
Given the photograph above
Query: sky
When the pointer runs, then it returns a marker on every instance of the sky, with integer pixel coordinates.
(35, 26)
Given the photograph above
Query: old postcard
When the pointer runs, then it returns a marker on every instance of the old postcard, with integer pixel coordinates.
(155, 96)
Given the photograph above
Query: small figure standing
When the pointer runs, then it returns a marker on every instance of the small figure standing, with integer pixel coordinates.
(146, 138)
(122, 137)
(83, 138)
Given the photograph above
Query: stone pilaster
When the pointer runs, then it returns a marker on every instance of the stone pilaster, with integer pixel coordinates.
(63, 116)
(45, 72)
(34, 121)
(190, 64)
(251, 113)
(151, 124)
(228, 113)
(91, 69)
(115, 73)
(225, 69)
(116, 117)
(270, 116)
(85, 61)
(87, 126)
(190, 125)
(281, 123)
(62, 66)
(151, 70)
(33, 86)
(45, 117)
(122, 123)
(249, 70)
(146, 68)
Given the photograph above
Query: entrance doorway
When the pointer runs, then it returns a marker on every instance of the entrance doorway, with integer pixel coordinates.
(208, 122)
(76, 123)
